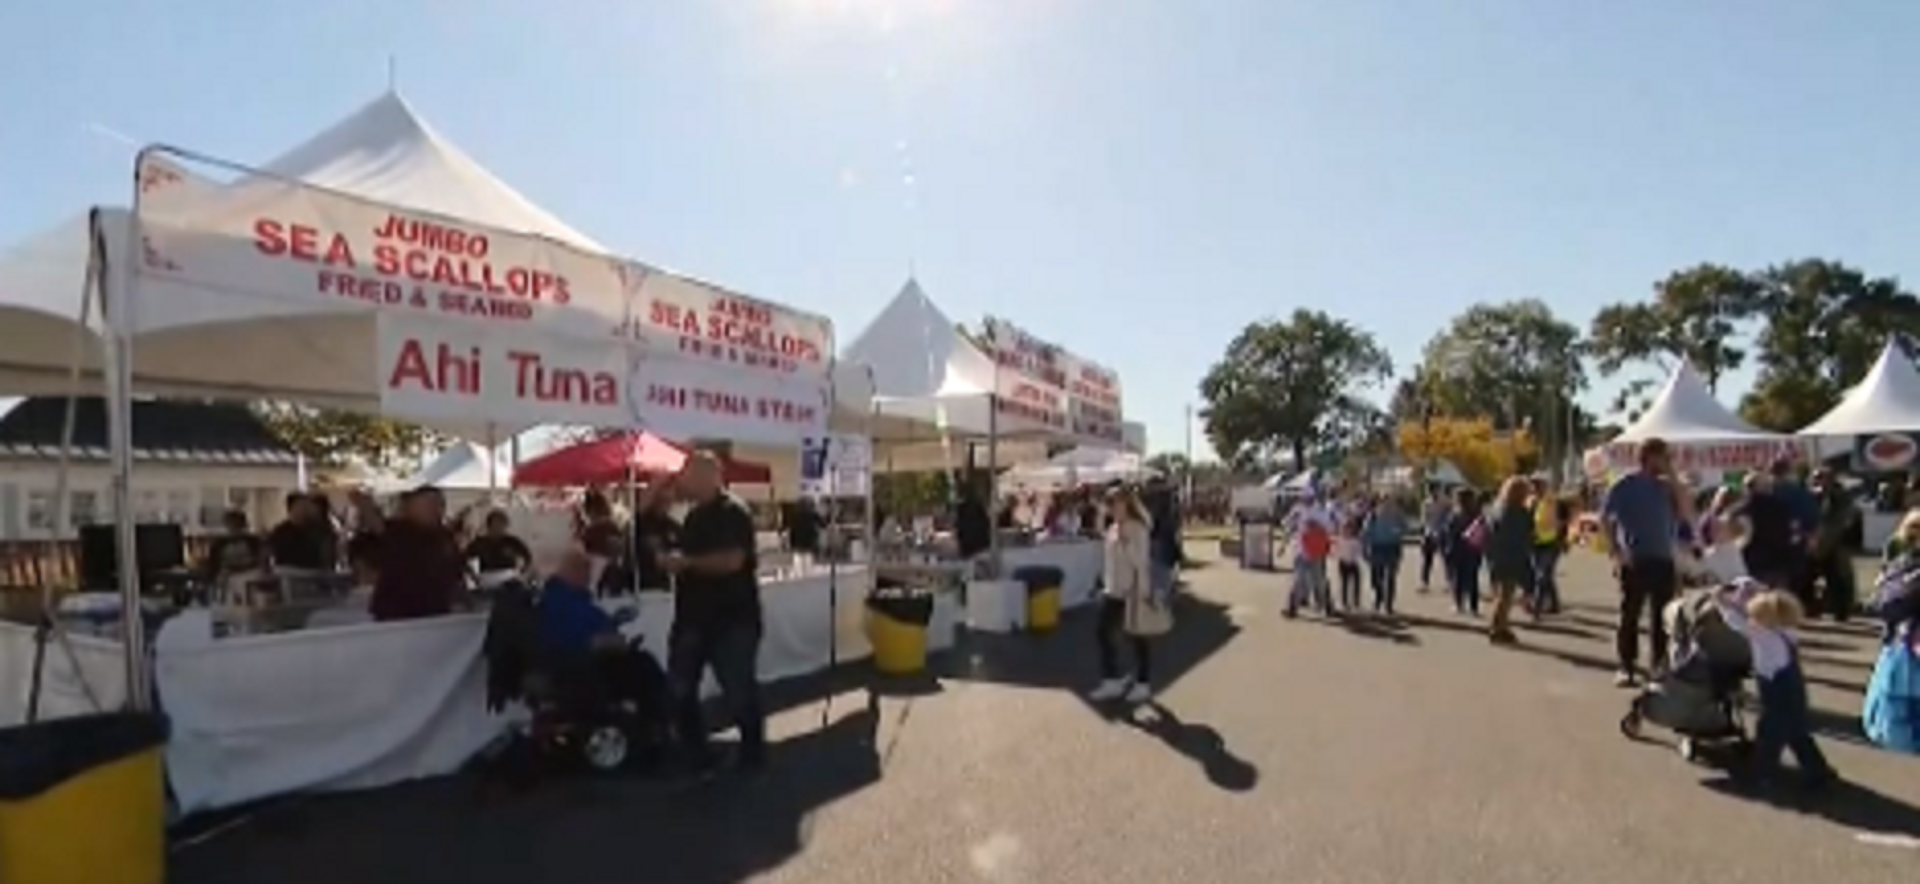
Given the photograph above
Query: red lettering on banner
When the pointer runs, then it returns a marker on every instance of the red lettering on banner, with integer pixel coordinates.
(721, 402)
(444, 372)
(534, 379)
(734, 329)
(448, 268)
(301, 243)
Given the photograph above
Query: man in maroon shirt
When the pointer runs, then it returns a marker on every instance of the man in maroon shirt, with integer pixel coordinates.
(420, 569)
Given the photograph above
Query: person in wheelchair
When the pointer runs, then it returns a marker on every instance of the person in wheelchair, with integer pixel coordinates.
(565, 656)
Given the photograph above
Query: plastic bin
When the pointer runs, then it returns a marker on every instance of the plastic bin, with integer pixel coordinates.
(897, 619)
(1043, 584)
(83, 801)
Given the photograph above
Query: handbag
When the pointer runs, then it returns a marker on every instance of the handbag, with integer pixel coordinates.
(1891, 715)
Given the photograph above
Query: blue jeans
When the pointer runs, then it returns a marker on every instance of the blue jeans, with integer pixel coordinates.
(732, 651)
(1384, 564)
(1546, 586)
(1466, 583)
(1786, 725)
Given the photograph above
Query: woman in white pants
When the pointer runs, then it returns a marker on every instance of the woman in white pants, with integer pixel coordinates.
(1134, 608)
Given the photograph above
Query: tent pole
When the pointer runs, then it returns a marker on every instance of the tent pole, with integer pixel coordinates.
(119, 359)
(993, 483)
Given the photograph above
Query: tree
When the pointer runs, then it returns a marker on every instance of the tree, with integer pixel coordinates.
(1485, 455)
(331, 437)
(1283, 385)
(1171, 464)
(1826, 324)
(1697, 316)
(1515, 364)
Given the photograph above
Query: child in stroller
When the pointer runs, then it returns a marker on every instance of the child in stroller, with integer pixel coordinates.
(1697, 696)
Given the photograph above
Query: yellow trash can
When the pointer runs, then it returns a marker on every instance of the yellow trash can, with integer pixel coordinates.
(897, 628)
(1043, 596)
(83, 801)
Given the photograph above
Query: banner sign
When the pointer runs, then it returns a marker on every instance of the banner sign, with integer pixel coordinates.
(672, 314)
(681, 398)
(434, 371)
(1698, 456)
(269, 247)
(838, 465)
(1885, 453)
(1054, 388)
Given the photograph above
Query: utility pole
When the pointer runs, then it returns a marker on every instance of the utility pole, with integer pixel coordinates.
(1186, 482)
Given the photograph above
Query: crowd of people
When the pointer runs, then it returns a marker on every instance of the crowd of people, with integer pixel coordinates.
(1766, 555)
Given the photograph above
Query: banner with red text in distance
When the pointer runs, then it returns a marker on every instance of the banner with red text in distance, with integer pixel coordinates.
(673, 315)
(1687, 457)
(687, 397)
(1088, 394)
(263, 248)
(443, 372)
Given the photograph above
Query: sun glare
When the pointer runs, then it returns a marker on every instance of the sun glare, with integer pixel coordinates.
(883, 14)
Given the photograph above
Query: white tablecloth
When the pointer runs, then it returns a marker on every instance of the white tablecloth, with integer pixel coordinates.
(364, 706)
(101, 668)
(1081, 561)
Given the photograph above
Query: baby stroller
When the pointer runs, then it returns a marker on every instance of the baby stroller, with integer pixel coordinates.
(600, 713)
(1697, 698)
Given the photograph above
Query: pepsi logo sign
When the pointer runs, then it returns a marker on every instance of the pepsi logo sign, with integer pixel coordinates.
(1890, 451)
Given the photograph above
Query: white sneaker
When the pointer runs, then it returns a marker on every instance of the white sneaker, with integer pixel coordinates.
(1139, 693)
(1625, 679)
(1109, 690)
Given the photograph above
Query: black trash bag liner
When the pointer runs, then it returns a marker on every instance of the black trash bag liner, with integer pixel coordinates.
(1040, 577)
(37, 758)
(902, 605)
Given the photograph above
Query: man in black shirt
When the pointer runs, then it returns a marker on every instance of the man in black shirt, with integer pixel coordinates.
(300, 541)
(716, 615)
(497, 549)
(1769, 550)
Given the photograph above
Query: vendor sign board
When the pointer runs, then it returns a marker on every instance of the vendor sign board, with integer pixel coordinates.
(1042, 383)
(684, 398)
(264, 248)
(1713, 456)
(836, 465)
(437, 371)
(1886, 453)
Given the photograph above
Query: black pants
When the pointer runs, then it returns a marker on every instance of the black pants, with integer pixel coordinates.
(732, 651)
(1429, 550)
(1111, 632)
(1350, 585)
(1837, 589)
(1645, 585)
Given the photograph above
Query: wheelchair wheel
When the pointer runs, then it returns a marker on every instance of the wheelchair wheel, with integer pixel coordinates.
(605, 748)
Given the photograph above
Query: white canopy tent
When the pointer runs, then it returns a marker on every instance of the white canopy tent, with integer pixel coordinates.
(929, 380)
(465, 466)
(1703, 434)
(191, 341)
(1887, 400)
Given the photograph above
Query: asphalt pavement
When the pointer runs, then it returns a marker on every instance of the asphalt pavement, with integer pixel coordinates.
(1301, 751)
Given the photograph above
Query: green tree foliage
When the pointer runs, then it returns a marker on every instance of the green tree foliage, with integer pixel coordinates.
(1697, 315)
(330, 437)
(1515, 364)
(1825, 323)
(1285, 385)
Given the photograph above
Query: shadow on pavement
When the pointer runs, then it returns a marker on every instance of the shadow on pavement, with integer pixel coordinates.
(1391, 630)
(1067, 658)
(567, 829)
(1854, 806)
(1198, 742)
(1479, 627)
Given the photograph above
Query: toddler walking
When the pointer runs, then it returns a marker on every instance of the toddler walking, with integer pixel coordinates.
(1768, 617)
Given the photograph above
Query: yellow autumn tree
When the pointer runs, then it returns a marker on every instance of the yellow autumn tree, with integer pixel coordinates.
(1484, 455)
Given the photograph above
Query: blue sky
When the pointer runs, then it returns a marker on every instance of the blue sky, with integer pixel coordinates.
(1135, 179)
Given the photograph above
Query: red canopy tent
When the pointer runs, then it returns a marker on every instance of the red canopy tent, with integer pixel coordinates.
(611, 460)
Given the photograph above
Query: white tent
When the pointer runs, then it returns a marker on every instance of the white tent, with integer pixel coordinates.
(1686, 411)
(1080, 466)
(928, 378)
(194, 341)
(465, 466)
(1886, 401)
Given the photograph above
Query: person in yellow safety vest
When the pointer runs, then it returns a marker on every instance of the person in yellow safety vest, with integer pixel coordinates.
(1548, 537)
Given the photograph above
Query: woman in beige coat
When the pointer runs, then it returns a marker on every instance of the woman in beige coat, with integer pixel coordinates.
(1131, 609)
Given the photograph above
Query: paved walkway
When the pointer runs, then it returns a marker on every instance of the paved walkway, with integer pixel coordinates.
(1281, 751)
